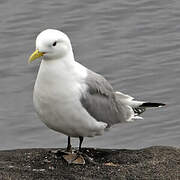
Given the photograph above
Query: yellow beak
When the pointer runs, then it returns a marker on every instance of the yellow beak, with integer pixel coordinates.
(36, 54)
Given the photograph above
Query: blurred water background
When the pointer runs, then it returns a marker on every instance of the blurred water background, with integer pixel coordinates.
(134, 44)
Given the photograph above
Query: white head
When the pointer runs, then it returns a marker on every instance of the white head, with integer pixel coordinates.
(51, 44)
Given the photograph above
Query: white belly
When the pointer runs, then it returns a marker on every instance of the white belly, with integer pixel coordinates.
(58, 106)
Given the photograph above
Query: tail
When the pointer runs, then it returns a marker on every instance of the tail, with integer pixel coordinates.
(138, 107)
(150, 104)
(141, 108)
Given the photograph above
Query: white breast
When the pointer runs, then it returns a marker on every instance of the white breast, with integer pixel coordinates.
(57, 91)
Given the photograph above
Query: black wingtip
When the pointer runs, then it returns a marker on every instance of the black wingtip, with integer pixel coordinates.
(149, 104)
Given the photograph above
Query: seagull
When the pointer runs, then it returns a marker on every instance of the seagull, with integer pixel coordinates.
(71, 99)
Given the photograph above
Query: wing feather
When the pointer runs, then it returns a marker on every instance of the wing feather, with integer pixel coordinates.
(101, 103)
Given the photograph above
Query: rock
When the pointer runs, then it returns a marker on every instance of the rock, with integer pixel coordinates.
(158, 162)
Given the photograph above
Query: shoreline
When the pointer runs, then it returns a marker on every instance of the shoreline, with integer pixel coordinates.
(156, 162)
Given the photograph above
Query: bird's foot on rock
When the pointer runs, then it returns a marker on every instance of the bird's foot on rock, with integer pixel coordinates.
(74, 158)
(71, 157)
(82, 158)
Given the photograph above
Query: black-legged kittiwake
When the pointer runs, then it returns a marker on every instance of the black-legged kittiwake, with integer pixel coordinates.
(73, 100)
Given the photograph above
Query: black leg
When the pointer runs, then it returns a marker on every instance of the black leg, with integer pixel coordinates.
(80, 142)
(69, 148)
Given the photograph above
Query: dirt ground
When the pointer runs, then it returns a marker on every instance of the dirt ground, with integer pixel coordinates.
(158, 162)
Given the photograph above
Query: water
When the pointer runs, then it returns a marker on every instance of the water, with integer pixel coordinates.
(134, 44)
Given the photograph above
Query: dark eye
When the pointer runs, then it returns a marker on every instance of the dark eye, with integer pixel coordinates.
(54, 44)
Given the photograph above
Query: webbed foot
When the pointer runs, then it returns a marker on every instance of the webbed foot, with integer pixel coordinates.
(74, 158)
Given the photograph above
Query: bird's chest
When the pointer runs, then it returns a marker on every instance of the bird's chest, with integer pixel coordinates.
(56, 92)
(57, 85)
(57, 100)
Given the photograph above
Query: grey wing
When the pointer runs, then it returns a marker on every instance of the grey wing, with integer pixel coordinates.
(101, 103)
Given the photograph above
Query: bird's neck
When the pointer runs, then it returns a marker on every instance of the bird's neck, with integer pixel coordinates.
(61, 65)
